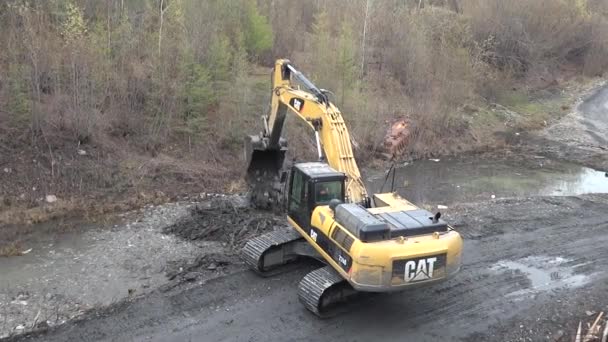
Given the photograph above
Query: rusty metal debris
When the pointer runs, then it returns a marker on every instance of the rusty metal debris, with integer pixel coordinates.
(397, 138)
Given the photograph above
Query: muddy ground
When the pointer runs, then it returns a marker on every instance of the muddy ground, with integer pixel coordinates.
(61, 276)
(533, 267)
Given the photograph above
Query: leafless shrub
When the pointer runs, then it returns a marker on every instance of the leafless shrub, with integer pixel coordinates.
(522, 33)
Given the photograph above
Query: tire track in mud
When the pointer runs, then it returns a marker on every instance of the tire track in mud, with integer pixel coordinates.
(472, 306)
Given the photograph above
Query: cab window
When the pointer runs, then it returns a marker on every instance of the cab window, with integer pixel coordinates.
(295, 196)
(326, 191)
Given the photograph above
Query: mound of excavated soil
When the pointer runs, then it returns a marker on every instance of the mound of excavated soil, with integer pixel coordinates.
(225, 221)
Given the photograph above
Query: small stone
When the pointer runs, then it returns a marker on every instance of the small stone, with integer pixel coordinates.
(493, 196)
(590, 313)
(82, 152)
(7, 170)
(20, 327)
(190, 276)
(42, 325)
(212, 266)
(51, 198)
(558, 335)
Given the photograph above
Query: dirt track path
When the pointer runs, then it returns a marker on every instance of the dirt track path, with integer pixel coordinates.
(581, 136)
(530, 266)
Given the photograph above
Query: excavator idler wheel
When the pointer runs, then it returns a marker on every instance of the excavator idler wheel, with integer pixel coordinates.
(323, 290)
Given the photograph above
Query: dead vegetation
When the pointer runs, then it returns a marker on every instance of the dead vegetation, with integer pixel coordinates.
(226, 222)
(594, 331)
(123, 97)
(11, 249)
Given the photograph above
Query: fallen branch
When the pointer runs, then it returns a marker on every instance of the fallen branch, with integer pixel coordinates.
(591, 332)
(605, 334)
(578, 332)
(36, 320)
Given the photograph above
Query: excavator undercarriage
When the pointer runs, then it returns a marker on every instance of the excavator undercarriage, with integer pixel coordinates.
(276, 252)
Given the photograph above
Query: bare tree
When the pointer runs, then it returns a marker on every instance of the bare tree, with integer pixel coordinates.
(367, 5)
(163, 9)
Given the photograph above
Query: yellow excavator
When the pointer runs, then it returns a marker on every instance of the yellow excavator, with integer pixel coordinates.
(380, 243)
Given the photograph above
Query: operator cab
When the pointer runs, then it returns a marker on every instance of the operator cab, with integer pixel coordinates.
(311, 185)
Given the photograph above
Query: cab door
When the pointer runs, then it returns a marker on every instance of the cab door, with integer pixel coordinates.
(297, 202)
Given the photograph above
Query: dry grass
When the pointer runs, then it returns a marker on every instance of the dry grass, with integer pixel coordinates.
(11, 249)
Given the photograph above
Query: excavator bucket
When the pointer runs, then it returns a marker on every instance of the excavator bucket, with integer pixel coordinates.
(264, 171)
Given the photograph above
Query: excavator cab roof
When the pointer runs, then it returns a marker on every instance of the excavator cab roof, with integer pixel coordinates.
(318, 170)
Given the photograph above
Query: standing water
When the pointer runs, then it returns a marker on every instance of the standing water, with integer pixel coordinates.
(470, 179)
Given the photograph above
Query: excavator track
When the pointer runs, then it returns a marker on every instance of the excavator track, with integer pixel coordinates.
(269, 254)
(322, 290)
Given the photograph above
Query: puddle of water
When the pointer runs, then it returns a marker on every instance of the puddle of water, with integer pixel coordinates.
(544, 273)
(451, 181)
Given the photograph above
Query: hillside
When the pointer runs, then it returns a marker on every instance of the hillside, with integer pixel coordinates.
(120, 103)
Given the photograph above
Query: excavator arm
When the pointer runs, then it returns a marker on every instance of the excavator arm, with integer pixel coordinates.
(293, 93)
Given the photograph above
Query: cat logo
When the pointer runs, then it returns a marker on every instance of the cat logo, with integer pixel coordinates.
(296, 103)
(313, 235)
(342, 260)
(422, 269)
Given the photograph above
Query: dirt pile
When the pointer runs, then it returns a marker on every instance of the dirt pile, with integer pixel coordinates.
(230, 221)
(225, 220)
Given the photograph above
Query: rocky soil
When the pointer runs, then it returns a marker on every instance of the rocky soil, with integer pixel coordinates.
(159, 247)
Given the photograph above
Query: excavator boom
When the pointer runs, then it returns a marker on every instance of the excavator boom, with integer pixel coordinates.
(293, 93)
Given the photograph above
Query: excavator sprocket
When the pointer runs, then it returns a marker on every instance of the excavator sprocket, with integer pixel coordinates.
(322, 290)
